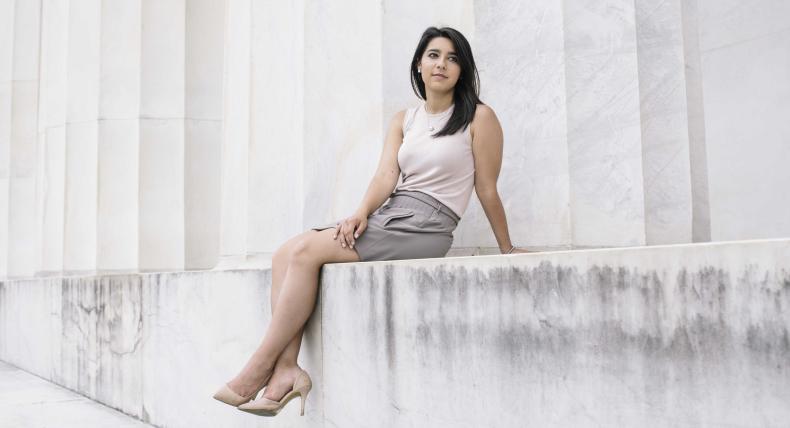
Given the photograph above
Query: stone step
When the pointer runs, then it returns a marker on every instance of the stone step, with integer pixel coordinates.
(27, 401)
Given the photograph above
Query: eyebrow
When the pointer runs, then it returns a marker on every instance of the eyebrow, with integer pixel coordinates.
(438, 51)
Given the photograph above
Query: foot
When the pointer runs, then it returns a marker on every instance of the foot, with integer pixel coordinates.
(281, 383)
(251, 379)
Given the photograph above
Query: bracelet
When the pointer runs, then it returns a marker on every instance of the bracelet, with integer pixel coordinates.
(513, 247)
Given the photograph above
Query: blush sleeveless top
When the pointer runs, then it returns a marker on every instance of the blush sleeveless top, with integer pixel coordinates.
(441, 167)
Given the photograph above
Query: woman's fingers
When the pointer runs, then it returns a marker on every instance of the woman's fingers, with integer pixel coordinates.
(342, 233)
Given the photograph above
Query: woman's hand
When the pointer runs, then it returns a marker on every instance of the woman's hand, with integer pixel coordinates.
(351, 228)
(521, 250)
(515, 250)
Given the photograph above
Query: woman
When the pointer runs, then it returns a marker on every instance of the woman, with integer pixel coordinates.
(443, 149)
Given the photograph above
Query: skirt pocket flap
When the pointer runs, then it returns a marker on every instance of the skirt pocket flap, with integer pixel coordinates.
(394, 213)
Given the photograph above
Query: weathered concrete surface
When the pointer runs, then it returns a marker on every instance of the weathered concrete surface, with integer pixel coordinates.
(687, 335)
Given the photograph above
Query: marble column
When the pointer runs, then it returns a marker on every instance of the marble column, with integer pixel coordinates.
(205, 25)
(745, 67)
(7, 23)
(51, 163)
(236, 132)
(603, 114)
(22, 243)
(82, 135)
(162, 91)
(119, 136)
(520, 56)
(664, 122)
(696, 122)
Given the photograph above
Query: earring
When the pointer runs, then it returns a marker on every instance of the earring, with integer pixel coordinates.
(419, 71)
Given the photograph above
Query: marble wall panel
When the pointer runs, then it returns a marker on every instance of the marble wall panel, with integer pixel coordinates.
(206, 321)
(664, 121)
(101, 326)
(162, 60)
(276, 154)
(342, 117)
(202, 154)
(519, 52)
(604, 147)
(161, 197)
(79, 242)
(236, 129)
(117, 227)
(747, 103)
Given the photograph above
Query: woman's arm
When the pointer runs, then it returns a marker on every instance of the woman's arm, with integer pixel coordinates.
(386, 176)
(487, 150)
(381, 185)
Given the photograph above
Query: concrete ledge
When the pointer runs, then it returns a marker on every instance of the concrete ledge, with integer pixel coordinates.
(686, 335)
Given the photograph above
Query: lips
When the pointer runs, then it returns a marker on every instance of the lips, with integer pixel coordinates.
(439, 75)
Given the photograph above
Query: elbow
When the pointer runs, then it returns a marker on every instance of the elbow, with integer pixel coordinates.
(487, 193)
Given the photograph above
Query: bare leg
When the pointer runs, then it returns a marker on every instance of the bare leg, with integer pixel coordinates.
(295, 303)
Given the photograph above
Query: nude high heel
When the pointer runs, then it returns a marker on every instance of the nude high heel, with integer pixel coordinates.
(265, 407)
(228, 396)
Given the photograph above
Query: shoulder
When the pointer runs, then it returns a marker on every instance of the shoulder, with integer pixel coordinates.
(397, 121)
(484, 120)
(484, 113)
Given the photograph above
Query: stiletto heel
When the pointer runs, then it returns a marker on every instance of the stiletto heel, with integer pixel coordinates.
(265, 407)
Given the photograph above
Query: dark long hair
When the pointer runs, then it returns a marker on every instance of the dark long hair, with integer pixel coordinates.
(466, 94)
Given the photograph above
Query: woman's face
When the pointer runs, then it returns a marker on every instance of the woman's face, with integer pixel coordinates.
(439, 66)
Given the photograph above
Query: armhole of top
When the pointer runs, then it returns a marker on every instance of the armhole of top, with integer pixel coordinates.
(408, 118)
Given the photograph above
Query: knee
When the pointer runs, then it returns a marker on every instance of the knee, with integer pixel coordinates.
(302, 253)
(281, 257)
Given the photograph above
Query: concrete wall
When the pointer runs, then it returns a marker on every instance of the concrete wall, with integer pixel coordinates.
(173, 135)
(685, 335)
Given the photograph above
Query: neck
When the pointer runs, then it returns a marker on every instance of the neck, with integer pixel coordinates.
(437, 103)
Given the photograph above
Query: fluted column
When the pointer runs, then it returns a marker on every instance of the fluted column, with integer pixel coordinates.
(51, 163)
(745, 67)
(6, 79)
(82, 134)
(604, 141)
(236, 131)
(22, 243)
(162, 89)
(523, 80)
(205, 25)
(119, 136)
(664, 123)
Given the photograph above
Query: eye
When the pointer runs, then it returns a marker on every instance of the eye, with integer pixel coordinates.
(454, 59)
(432, 55)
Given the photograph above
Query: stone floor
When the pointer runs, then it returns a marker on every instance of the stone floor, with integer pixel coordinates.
(29, 401)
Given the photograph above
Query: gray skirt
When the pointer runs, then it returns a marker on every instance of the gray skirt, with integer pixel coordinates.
(410, 225)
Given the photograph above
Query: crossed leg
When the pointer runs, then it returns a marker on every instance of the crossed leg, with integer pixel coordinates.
(295, 268)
